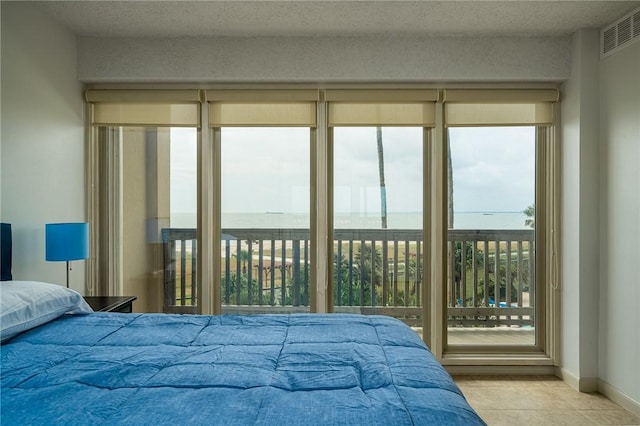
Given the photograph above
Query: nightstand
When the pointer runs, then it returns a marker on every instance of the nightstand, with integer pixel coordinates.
(122, 304)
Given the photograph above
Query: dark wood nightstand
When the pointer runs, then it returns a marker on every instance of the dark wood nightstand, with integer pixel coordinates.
(123, 304)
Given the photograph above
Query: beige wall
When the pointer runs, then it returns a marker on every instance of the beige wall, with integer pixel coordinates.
(42, 139)
(580, 201)
(619, 296)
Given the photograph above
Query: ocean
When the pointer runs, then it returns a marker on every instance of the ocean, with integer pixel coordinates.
(462, 220)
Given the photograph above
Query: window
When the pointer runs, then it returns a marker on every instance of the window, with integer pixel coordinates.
(266, 218)
(264, 140)
(145, 172)
(377, 217)
(498, 149)
(491, 295)
(437, 207)
(376, 145)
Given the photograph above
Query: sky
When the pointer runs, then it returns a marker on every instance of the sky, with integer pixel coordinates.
(267, 169)
(493, 169)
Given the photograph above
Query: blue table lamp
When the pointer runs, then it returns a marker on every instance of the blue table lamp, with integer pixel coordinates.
(66, 242)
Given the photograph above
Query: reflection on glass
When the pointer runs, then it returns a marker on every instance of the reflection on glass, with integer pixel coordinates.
(158, 172)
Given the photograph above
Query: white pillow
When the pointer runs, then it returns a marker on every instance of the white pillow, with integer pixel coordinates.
(28, 304)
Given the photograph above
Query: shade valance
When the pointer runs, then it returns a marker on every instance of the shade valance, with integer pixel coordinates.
(162, 108)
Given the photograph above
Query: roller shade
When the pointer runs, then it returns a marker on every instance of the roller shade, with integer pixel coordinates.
(381, 95)
(246, 108)
(499, 107)
(359, 114)
(500, 95)
(381, 107)
(161, 108)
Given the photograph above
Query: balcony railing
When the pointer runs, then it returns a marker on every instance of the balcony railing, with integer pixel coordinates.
(374, 272)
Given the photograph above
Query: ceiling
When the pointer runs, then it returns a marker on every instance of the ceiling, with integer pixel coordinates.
(332, 18)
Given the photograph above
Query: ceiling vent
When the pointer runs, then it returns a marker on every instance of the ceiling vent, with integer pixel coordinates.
(621, 33)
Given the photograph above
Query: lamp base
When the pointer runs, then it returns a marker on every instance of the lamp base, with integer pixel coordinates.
(67, 274)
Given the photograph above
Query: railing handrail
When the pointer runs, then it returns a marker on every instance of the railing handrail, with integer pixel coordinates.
(395, 278)
(173, 234)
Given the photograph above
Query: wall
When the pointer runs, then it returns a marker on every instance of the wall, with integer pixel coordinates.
(619, 353)
(324, 59)
(42, 139)
(580, 201)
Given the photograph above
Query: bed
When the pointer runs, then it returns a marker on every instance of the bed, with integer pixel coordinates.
(298, 369)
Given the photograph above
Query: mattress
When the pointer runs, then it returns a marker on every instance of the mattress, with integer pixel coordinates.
(154, 369)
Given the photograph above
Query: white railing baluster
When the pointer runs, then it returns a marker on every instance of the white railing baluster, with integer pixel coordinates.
(465, 281)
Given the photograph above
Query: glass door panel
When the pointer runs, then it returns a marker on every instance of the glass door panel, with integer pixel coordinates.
(265, 204)
(157, 175)
(491, 295)
(377, 221)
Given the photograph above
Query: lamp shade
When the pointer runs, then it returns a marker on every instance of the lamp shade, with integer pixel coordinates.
(67, 241)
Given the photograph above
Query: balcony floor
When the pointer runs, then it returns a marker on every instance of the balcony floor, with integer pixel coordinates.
(488, 336)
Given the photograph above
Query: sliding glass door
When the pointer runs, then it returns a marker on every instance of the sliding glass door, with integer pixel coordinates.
(265, 206)
(377, 221)
(437, 207)
(491, 287)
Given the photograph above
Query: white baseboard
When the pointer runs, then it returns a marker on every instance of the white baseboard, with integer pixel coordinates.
(584, 384)
(619, 398)
(599, 385)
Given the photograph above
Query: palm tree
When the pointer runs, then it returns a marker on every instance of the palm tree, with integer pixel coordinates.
(243, 258)
(530, 212)
(383, 189)
(368, 268)
(450, 184)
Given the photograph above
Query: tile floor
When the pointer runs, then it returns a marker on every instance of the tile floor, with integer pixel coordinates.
(539, 400)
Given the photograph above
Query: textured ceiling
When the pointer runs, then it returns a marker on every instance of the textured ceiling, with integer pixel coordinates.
(332, 18)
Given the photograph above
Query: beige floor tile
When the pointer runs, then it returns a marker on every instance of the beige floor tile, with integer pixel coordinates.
(508, 417)
(590, 401)
(612, 417)
(527, 398)
(535, 418)
(539, 400)
(562, 418)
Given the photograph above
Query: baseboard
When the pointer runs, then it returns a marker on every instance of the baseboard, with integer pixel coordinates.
(599, 385)
(581, 384)
(619, 398)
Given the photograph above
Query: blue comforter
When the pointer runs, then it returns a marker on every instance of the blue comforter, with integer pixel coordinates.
(155, 369)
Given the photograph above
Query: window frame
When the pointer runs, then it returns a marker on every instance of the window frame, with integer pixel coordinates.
(102, 268)
(545, 351)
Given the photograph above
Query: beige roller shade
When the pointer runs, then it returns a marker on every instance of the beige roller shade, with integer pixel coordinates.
(144, 96)
(387, 107)
(225, 114)
(500, 95)
(381, 114)
(251, 96)
(381, 95)
(498, 114)
(496, 107)
(254, 108)
(170, 115)
(162, 108)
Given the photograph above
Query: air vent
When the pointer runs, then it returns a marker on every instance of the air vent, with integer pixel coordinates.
(621, 33)
(610, 41)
